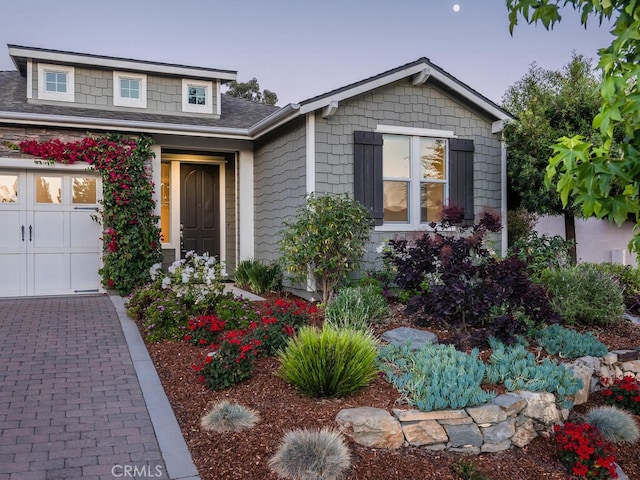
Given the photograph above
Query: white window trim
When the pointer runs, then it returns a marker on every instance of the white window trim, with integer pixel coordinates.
(190, 108)
(119, 101)
(415, 181)
(43, 94)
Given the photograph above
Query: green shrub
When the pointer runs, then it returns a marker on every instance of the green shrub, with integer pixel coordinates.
(558, 340)
(615, 425)
(230, 362)
(582, 295)
(329, 362)
(520, 224)
(326, 239)
(517, 369)
(229, 417)
(627, 276)
(541, 252)
(311, 455)
(258, 277)
(236, 312)
(435, 377)
(468, 471)
(142, 297)
(357, 307)
(166, 318)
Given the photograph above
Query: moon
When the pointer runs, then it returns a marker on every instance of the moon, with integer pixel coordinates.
(456, 8)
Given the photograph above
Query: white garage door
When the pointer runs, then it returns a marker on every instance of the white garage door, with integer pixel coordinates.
(49, 244)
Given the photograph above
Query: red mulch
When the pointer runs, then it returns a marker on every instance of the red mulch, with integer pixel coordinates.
(245, 455)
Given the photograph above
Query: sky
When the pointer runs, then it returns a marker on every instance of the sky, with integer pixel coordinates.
(303, 48)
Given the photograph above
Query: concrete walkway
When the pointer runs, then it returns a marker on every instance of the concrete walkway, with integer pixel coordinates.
(79, 397)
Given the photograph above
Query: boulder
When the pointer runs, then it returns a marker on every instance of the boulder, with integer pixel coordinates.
(413, 337)
(525, 433)
(584, 373)
(541, 406)
(511, 403)
(632, 366)
(370, 427)
(488, 413)
(468, 435)
(500, 432)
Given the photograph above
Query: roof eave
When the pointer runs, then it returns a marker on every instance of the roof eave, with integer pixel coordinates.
(273, 121)
(63, 121)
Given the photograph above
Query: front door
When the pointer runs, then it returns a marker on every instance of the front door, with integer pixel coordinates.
(49, 243)
(199, 209)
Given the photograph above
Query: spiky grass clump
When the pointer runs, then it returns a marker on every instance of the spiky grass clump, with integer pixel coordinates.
(311, 455)
(329, 362)
(615, 425)
(229, 417)
(357, 307)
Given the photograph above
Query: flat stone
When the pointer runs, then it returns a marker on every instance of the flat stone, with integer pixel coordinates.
(511, 403)
(464, 435)
(610, 358)
(415, 415)
(456, 421)
(371, 427)
(425, 432)
(468, 450)
(524, 434)
(489, 413)
(415, 338)
(541, 406)
(621, 474)
(632, 318)
(499, 432)
(627, 355)
(633, 366)
(495, 447)
(436, 448)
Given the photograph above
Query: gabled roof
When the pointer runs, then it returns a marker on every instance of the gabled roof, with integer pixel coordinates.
(238, 114)
(20, 54)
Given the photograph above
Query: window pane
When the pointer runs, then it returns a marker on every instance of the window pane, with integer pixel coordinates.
(165, 202)
(396, 201)
(432, 159)
(56, 82)
(48, 189)
(8, 188)
(197, 95)
(84, 190)
(431, 202)
(129, 88)
(395, 156)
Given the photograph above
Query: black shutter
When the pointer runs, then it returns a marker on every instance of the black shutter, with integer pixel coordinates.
(367, 172)
(461, 176)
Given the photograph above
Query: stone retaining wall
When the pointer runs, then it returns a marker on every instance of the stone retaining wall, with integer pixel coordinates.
(510, 419)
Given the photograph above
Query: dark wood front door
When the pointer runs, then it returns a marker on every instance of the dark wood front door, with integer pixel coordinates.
(199, 211)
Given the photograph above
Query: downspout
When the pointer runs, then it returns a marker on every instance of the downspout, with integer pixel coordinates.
(503, 194)
(310, 171)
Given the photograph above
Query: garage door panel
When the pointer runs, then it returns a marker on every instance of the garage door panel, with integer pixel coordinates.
(48, 230)
(84, 231)
(51, 273)
(85, 271)
(12, 277)
(11, 224)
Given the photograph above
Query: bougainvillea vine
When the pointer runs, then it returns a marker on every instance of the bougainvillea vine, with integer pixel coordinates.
(131, 236)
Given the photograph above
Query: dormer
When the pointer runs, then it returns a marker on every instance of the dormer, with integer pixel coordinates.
(119, 84)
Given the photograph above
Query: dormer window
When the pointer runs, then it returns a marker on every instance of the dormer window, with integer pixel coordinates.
(129, 90)
(56, 82)
(197, 96)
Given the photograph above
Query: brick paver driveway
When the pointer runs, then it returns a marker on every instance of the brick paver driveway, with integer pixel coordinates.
(71, 405)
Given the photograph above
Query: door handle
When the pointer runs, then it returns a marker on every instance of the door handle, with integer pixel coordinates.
(30, 232)
(22, 230)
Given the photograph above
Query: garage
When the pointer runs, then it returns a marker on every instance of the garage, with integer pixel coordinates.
(49, 237)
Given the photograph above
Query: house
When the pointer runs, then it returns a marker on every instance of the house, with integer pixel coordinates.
(229, 171)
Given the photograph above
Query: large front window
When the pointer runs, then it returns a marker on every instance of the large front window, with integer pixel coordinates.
(415, 179)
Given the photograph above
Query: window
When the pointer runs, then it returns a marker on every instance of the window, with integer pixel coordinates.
(56, 82)
(129, 90)
(197, 96)
(414, 171)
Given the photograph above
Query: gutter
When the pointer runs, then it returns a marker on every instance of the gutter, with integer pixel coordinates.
(82, 123)
(279, 117)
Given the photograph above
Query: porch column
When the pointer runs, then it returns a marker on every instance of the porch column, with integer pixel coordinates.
(245, 205)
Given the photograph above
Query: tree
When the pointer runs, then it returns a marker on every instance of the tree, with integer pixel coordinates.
(326, 239)
(251, 91)
(548, 105)
(603, 177)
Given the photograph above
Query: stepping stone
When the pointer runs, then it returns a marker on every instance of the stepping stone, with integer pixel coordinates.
(404, 335)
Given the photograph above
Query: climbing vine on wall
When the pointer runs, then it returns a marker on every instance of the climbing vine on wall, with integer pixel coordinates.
(131, 236)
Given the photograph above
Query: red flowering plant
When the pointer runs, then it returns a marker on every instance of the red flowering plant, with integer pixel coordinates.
(624, 393)
(131, 236)
(229, 362)
(280, 322)
(584, 452)
(204, 330)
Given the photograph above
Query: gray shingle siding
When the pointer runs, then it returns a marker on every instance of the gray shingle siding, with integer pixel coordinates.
(403, 104)
(230, 215)
(280, 185)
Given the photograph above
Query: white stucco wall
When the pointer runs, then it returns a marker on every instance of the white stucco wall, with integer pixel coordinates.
(597, 240)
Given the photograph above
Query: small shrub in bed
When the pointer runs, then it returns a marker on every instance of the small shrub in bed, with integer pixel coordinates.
(540, 252)
(436, 377)
(583, 295)
(567, 343)
(229, 417)
(625, 393)
(615, 425)
(236, 312)
(583, 451)
(258, 277)
(628, 277)
(458, 281)
(329, 362)
(166, 318)
(357, 307)
(311, 455)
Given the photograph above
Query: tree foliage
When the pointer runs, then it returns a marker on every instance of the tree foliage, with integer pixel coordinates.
(602, 177)
(251, 91)
(326, 239)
